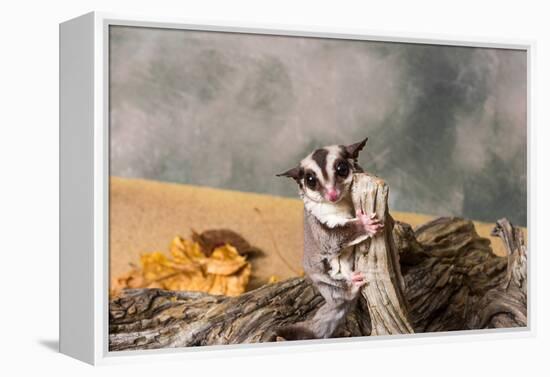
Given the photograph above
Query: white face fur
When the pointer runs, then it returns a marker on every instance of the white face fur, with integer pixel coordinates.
(325, 177)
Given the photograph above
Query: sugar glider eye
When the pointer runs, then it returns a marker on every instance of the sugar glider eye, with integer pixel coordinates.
(342, 169)
(311, 181)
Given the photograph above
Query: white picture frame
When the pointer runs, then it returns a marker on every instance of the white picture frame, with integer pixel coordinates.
(84, 172)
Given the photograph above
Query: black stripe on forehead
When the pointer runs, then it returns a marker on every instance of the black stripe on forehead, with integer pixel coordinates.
(320, 158)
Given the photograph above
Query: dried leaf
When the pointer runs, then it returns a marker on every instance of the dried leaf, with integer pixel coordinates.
(212, 239)
(188, 268)
(225, 260)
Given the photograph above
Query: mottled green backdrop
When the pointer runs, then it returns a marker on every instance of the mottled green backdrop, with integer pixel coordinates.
(446, 125)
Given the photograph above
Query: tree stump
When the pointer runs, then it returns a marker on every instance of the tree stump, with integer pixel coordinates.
(440, 277)
(378, 259)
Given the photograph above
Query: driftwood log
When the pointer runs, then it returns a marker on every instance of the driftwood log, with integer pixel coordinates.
(440, 277)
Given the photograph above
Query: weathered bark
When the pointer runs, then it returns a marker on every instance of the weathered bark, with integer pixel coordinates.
(454, 281)
(441, 277)
(153, 318)
(378, 259)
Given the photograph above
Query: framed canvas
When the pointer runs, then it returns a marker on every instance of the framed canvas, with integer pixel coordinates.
(237, 189)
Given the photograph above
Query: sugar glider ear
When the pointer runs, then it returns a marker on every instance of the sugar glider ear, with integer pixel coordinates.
(354, 149)
(294, 173)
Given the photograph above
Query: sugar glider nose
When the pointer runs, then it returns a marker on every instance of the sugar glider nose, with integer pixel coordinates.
(332, 195)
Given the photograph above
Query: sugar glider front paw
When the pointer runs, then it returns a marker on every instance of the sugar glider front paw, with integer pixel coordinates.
(358, 278)
(372, 225)
(357, 281)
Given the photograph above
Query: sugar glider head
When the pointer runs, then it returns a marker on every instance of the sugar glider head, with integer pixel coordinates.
(325, 175)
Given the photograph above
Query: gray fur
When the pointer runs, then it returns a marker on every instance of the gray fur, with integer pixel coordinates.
(325, 248)
(329, 249)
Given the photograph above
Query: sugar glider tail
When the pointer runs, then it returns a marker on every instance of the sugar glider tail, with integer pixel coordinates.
(293, 332)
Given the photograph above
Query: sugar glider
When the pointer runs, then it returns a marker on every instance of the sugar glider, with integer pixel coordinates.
(332, 228)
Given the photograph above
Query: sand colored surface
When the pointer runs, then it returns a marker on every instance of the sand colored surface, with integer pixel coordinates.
(146, 215)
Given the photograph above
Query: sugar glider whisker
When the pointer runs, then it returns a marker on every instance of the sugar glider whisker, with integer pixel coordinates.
(332, 228)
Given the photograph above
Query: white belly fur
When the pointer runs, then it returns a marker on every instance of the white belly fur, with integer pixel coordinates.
(331, 215)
